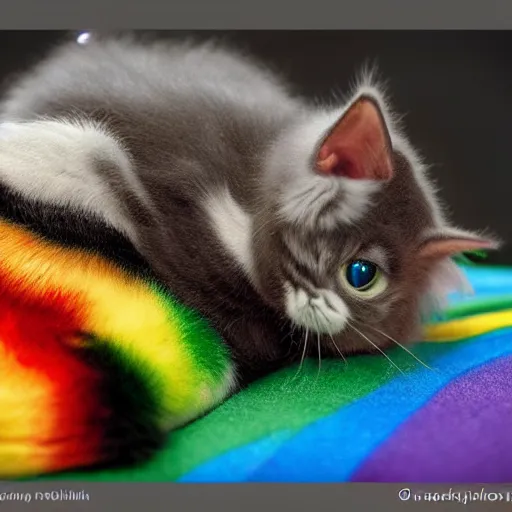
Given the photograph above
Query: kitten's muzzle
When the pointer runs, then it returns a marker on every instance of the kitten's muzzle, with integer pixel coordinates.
(324, 313)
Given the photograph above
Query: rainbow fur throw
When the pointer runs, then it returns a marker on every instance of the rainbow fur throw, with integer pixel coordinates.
(95, 357)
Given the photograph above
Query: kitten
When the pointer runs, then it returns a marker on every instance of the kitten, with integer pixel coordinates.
(266, 214)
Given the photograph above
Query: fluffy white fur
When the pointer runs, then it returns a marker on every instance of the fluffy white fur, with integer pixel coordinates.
(52, 161)
(326, 313)
(304, 194)
(233, 227)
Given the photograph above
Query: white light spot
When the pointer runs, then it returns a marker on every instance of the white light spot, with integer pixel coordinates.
(83, 38)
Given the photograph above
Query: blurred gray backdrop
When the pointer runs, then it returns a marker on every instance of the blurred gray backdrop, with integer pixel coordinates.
(455, 89)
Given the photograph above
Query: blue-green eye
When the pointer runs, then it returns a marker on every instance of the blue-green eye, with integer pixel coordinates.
(361, 274)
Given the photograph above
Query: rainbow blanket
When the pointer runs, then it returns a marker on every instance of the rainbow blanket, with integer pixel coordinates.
(368, 420)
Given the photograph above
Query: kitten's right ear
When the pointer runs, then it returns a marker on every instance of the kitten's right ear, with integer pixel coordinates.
(358, 146)
(449, 242)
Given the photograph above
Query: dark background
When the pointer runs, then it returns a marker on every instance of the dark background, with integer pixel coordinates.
(455, 89)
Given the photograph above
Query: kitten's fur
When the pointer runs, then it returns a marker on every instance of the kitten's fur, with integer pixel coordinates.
(206, 163)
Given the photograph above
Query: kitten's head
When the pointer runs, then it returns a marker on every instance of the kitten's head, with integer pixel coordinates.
(350, 239)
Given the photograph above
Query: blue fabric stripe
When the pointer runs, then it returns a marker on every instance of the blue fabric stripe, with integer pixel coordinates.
(482, 295)
(333, 447)
(227, 468)
(487, 282)
(489, 279)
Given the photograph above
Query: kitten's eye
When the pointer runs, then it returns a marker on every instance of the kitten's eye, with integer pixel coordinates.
(363, 278)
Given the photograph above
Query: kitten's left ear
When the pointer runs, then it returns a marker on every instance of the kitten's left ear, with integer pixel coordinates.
(358, 146)
(449, 242)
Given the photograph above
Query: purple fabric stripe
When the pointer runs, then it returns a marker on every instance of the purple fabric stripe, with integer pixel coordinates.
(462, 435)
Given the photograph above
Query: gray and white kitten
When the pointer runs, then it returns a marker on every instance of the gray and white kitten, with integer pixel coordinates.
(250, 204)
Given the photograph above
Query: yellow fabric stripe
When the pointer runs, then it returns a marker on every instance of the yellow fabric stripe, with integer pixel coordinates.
(456, 330)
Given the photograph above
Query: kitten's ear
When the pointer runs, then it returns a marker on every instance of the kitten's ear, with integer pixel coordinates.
(445, 243)
(358, 146)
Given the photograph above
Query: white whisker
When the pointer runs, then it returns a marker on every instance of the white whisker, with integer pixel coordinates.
(332, 340)
(338, 350)
(319, 354)
(377, 347)
(303, 355)
(402, 347)
(316, 322)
